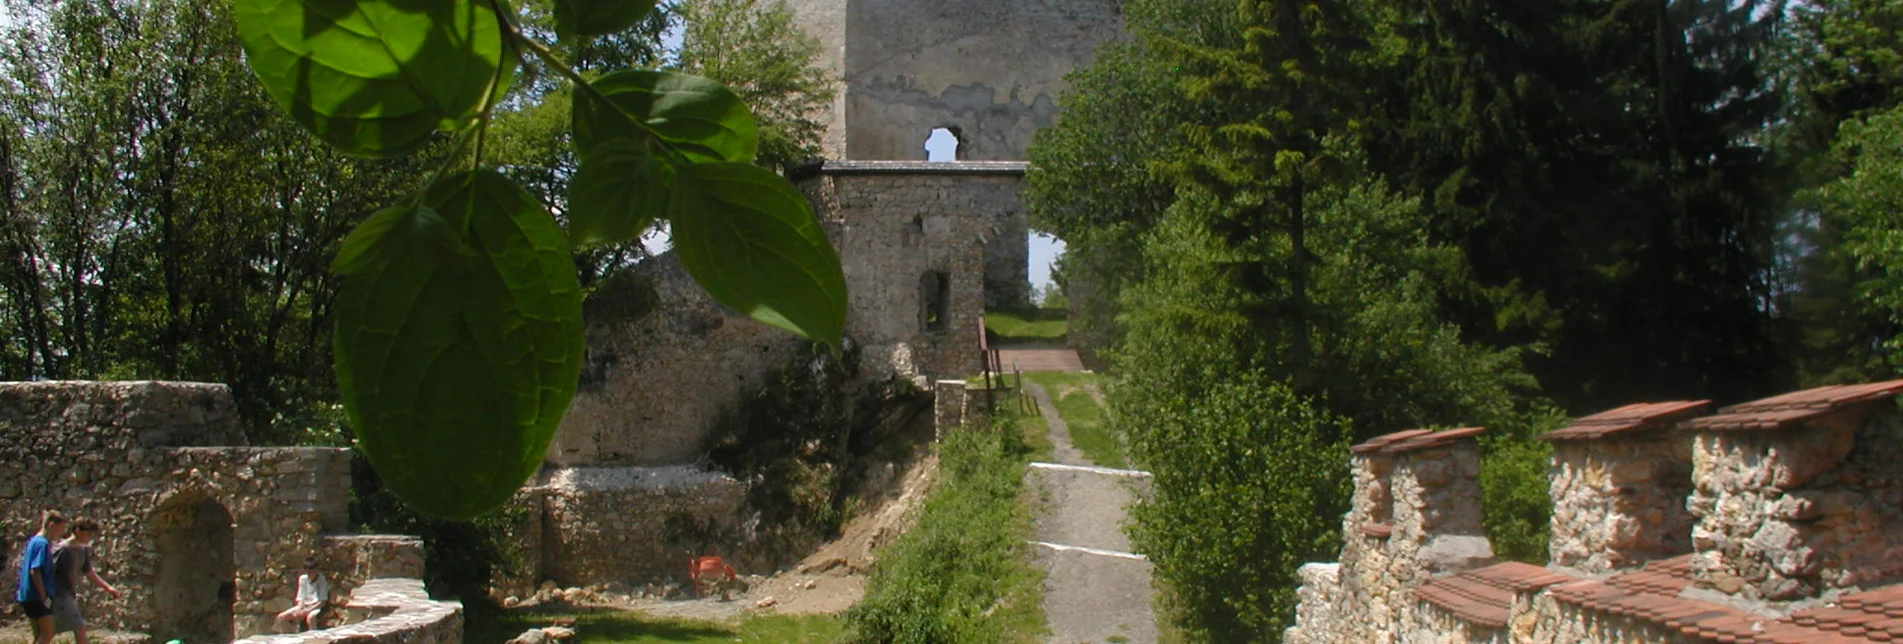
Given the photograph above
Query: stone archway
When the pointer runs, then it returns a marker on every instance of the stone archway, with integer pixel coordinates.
(195, 587)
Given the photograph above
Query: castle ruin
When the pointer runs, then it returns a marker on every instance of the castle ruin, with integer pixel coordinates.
(925, 247)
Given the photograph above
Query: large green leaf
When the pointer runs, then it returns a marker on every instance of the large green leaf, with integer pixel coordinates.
(748, 237)
(619, 190)
(597, 17)
(458, 342)
(376, 77)
(702, 119)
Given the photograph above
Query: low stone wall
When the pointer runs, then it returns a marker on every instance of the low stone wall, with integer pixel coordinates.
(630, 525)
(396, 611)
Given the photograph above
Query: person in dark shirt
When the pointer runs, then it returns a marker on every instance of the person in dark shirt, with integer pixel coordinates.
(73, 564)
(36, 576)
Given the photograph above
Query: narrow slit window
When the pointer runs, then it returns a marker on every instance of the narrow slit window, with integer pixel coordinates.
(935, 300)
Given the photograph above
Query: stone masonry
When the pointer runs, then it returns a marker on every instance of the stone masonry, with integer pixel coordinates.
(1789, 529)
(203, 534)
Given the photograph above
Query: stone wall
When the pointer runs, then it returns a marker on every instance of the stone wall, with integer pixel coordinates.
(204, 541)
(896, 225)
(584, 526)
(991, 70)
(1619, 503)
(1792, 512)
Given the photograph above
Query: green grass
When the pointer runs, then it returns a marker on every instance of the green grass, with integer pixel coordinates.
(624, 627)
(1090, 430)
(1040, 325)
(963, 573)
(1035, 432)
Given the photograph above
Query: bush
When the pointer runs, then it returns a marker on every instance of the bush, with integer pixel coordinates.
(1250, 482)
(963, 573)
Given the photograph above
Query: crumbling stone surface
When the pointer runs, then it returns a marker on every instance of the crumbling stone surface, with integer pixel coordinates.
(658, 380)
(1787, 514)
(1620, 502)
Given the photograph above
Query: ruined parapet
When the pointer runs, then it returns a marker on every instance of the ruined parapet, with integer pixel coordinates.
(1618, 481)
(1415, 513)
(1800, 493)
(633, 524)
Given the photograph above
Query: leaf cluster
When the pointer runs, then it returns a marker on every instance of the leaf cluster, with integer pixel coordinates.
(458, 341)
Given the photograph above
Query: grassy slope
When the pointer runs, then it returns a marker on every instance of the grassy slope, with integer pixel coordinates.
(963, 573)
(1038, 325)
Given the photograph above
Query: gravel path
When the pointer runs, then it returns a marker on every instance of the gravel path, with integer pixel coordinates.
(1095, 589)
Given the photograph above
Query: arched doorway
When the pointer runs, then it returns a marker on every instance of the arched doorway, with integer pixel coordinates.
(195, 585)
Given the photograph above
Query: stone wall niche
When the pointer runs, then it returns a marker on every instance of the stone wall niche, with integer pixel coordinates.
(1618, 481)
(196, 577)
(1799, 494)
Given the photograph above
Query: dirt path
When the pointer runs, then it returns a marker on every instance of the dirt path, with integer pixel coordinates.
(1095, 589)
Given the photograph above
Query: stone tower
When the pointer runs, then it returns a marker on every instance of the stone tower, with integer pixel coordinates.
(987, 71)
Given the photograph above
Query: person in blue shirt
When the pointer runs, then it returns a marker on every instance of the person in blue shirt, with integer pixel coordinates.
(36, 576)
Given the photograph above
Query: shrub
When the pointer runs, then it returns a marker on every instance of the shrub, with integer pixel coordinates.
(1250, 482)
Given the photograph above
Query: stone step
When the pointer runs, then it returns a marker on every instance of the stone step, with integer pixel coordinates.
(1083, 506)
(1095, 596)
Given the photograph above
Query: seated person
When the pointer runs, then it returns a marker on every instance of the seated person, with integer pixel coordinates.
(313, 590)
(710, 571)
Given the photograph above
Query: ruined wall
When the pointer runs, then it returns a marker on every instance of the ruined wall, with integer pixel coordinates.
(893, 225)
(1620, 502)
(1788, 513)
(180, 518)
(989, 69)
(665, 365)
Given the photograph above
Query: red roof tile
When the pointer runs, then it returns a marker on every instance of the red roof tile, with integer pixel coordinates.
(1377, 530)
(1383, 440)
(1485, 595)
(1779, 411)
(1631, 419)
(1650, 594)
(1415, 439)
